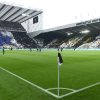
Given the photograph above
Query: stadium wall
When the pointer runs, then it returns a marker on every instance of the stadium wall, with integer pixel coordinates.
(32, 27)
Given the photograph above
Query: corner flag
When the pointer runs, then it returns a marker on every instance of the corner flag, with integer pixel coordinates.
(60, 60)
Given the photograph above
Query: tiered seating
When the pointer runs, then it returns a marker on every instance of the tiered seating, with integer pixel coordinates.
(1, 41)
(4, 38)
(71, 42)
(95, 44)
(11, 26)
(50, 37)
(24, 39)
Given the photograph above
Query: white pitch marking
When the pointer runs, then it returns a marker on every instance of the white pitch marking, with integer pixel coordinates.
(48, 92)
(61, 88)
(79, 90)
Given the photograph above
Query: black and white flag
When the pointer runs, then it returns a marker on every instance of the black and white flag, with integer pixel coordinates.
(60, 60)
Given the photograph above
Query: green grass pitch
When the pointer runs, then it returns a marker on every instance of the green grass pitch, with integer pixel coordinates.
(80, 69)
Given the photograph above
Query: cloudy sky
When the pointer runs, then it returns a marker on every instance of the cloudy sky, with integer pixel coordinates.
(62, 12)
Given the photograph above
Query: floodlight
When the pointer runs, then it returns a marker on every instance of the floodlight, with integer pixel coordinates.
(68, 33)
(25, 14)
(85, 31)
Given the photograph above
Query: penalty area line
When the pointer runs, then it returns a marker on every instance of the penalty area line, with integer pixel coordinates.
(32, 84)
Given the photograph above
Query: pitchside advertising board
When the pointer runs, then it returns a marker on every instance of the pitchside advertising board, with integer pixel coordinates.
(88, 22)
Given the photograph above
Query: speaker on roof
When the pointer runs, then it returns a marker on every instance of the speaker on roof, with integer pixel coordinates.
(35, 20)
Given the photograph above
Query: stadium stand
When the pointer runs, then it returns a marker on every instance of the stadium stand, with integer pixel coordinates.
(73, 36)
(18, 33)
(23, 39)
(50, 37)
(7, 39)
(78, 35)
(72, 41)
(60, 39)
(11, 26)
(12, 31)
(94, 44)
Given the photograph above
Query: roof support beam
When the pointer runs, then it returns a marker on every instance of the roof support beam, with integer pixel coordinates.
(2, 7)
(26, 16)
(19, 15)
(6, 12)
(13, 14)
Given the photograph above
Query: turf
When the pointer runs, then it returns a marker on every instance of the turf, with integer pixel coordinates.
(80, 69)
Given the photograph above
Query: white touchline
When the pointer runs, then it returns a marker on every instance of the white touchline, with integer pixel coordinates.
(79, 90)
(48, 92)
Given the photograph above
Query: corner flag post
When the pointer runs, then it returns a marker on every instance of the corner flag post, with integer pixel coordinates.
(58, 78)
(60, 61)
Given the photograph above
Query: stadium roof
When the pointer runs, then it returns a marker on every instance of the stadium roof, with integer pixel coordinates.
(16, 14)
(89, 26)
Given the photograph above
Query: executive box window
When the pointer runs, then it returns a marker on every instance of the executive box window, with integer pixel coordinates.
(35, 20)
